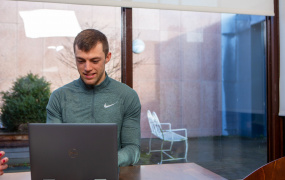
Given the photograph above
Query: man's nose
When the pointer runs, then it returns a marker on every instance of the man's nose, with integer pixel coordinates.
(88, 66)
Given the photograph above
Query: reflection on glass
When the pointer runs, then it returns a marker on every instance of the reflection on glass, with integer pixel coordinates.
(50, 23)
(243, 75)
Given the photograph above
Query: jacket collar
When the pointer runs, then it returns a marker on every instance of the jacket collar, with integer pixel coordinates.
(98, 87)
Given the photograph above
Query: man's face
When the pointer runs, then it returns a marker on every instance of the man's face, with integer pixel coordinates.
(91, 65)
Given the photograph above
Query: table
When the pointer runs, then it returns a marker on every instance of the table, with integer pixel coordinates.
(181, 171)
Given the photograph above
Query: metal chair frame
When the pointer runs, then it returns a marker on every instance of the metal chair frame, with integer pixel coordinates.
(166, 135)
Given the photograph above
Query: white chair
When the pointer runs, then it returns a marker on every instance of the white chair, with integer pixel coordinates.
(167, 134)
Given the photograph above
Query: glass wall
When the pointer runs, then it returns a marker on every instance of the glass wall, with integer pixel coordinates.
(204, 72)
(38, 38)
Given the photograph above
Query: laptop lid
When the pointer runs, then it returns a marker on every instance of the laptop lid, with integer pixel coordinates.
(73, 151)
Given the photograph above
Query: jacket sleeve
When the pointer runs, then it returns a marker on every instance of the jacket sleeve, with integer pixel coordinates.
(54, 112)
(129, 153)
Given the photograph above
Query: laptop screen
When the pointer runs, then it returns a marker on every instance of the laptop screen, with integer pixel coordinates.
(73, 151)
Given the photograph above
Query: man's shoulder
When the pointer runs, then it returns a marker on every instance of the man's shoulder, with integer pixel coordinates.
(124, 91)
(121, 87)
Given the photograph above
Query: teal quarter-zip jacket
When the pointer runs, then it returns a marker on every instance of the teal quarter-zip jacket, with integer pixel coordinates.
(108, 102)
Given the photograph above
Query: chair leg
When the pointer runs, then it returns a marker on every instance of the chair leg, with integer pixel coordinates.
(186, 149)
(161, 152)
(171, 146)
(149, 144)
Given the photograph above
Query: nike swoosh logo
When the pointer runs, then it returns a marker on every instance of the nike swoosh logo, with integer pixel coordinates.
(106, 106)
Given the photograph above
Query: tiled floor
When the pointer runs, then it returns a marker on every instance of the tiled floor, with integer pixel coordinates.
(230, 157)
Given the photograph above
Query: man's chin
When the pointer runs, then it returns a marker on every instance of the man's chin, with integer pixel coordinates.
(90, 82)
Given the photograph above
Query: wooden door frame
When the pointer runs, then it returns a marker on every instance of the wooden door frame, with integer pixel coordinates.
(126, 48)
(275, 134)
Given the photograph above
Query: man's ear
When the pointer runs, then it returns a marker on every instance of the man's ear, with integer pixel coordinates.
(108, 58)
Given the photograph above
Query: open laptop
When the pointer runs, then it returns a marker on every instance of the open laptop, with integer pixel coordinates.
(73, 151)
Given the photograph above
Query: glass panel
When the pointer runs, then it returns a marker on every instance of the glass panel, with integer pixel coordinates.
(204, 72)
(38, 38)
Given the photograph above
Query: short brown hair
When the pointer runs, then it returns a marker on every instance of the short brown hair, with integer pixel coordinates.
(88, 38)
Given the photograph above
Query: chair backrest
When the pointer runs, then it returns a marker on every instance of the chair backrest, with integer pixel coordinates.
(150, 121)
(273, 170)
(154, 124)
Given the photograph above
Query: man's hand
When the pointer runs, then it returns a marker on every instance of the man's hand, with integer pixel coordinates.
(3, 162)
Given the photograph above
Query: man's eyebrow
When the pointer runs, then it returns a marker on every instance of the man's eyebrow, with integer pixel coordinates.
(76, 57)
(95, 58)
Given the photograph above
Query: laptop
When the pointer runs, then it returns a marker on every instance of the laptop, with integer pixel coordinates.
(73, 151)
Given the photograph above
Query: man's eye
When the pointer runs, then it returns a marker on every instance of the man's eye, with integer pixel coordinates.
(95, 61)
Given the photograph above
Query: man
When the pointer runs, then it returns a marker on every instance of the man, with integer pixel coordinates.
(96, 98)
(3, 162)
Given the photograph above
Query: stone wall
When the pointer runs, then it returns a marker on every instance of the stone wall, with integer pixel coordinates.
(180, 74)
